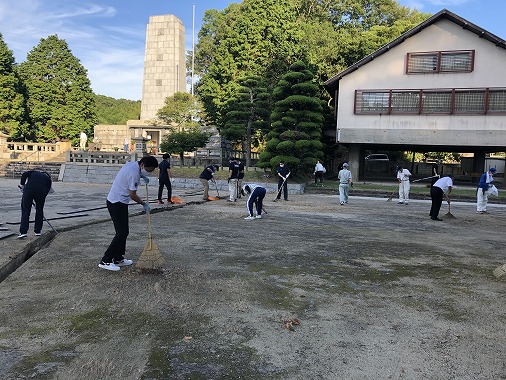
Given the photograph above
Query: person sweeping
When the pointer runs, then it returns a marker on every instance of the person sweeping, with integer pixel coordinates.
(122, 190)
(403, 178)
(256, 195)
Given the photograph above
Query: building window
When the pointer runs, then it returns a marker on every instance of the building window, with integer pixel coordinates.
(405, 102)
(497, 100)
(371, 102)
(441, 101)
(436, 101)
(158, 82)
(469, 101)
(461, 61)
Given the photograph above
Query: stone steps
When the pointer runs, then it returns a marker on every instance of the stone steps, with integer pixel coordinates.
(16, 169)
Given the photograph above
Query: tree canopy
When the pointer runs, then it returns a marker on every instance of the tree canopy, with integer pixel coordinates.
(116, 111)
(60, 101)
(247, 114)
(296, 122)
(12, 99)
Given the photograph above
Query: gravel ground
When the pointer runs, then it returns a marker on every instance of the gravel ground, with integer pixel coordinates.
(314, 290)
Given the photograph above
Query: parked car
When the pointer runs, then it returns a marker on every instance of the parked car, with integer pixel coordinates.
(377, 157)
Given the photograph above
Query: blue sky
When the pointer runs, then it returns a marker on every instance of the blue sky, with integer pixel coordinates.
(108, 36)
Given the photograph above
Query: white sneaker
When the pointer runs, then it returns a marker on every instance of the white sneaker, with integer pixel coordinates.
(20, 236)
(38, 233)
(124, 263)
(109, 266)
(258, 217)
(249, 218)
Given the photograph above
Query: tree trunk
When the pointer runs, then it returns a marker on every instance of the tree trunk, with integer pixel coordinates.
(248, 144)
(181, 159)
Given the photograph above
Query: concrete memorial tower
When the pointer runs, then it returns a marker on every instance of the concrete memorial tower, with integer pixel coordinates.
(164, 63)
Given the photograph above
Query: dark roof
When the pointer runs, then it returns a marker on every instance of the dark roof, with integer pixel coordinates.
(332, 84)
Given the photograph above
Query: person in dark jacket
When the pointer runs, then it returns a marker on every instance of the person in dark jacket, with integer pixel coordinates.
(283, 173)
(164, 179)
(34, 191)
(206, 175)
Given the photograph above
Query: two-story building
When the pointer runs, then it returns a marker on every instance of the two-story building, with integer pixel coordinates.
(440, 86)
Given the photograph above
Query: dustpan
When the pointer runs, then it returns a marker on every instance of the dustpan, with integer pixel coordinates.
(177, 200)
(213, 198)
(150, 258)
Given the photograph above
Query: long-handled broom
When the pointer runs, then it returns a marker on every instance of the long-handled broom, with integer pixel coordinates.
(449, 214)
(150, 258)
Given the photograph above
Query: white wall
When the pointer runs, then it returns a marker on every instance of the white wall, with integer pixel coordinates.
(388, 72)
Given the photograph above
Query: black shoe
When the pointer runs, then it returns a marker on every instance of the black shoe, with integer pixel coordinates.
(438, 219)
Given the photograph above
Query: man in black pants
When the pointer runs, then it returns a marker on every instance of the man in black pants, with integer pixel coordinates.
(164, 179)
(124, 189)
(283, 173)
(441, 186)
(36, 190)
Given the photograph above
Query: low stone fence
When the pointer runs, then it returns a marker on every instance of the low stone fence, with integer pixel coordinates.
(105, 173)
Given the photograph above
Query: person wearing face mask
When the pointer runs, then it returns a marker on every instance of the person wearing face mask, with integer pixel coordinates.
(483, 190)
(124, 188)
(283, 173)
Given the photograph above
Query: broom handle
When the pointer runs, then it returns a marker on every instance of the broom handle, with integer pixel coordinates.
(149, 215)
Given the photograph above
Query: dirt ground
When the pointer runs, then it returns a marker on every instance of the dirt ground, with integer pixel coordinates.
(378, 289)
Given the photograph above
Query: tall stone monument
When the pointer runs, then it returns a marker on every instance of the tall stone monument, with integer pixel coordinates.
(164, 63)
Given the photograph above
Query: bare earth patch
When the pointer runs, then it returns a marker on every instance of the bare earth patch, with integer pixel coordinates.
(379, 290)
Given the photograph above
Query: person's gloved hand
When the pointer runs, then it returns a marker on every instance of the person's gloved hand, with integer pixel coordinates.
(146, 179)
(146, 208)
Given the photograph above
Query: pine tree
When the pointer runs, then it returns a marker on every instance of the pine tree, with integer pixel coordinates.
(61, 103)
(248, 114)
(296, 122)
(12, 100)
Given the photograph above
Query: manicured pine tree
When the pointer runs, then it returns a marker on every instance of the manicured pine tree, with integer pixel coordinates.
(12, 100)
(61, 103)
(248, 114)
(296, 122)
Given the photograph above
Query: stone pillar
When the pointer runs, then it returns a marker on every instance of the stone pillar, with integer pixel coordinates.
(354, 160)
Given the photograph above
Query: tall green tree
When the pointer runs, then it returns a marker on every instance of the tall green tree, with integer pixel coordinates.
(248, 114)
(182, 113)
(296, 121)
(256, 37)
(181, 110)
(12, 99)
(61, 103)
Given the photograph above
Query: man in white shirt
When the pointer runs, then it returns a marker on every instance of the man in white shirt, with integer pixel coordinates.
(319, 170)
(403, 178)
(122, 190)
(441, 187)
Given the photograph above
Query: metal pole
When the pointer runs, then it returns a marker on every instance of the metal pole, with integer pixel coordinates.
(193, 50)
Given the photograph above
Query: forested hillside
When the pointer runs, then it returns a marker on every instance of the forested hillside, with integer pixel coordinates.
(116, 111)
